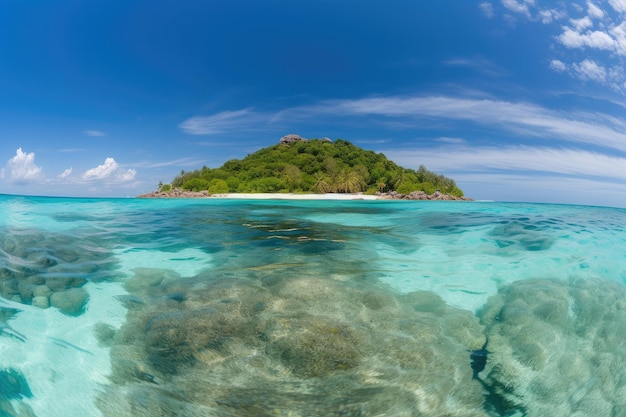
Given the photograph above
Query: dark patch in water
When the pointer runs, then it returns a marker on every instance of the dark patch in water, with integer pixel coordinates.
(478, 358)
(177, 296)
(13, 385)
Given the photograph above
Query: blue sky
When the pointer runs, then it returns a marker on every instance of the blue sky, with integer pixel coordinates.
(517, 100)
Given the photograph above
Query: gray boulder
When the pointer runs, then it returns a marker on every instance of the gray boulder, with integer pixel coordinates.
(71, 302)
(291, 138)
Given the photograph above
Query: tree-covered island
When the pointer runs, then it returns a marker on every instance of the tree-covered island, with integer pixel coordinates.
(298, 165)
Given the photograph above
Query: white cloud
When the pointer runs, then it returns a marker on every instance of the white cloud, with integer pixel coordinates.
(94, 133)
(597, 29)
(487, 9)
(519, 118)
(582, 23)
(568, 162)
(101, 171)
(453, 141)
(22, 167)
(590, 70)
(109, 171)
(557, 65)
(477, 64)
(546, 16)
(519, 7)
(593, 39)
(218, 123)
(618, 5)
(66, 173)
(594, 11)
(619, 34)
(128, 175)
(180, 162)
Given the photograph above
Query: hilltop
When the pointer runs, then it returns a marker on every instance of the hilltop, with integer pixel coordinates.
(298, 165)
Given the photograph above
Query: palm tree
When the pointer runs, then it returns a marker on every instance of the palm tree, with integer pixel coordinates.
(321, 183)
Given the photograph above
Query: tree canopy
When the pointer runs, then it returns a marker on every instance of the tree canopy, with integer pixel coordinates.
(314, 166)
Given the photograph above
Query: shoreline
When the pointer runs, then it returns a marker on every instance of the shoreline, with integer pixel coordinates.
(292, 196)
(415, 195)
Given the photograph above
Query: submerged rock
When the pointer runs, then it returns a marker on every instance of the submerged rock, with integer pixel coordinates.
(41, 302)
(71, 302)
(557, 348)
(277, 344)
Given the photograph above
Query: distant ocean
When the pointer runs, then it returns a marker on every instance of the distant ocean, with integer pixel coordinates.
(209, 307)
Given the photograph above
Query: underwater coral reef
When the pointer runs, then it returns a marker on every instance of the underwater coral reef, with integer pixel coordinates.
(274, 344)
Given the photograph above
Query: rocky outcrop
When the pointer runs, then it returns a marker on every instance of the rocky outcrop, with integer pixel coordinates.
(421, 195)
(176, 193)
(291, 138)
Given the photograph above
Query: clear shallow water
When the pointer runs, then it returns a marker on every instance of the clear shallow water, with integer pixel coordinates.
(303, 308)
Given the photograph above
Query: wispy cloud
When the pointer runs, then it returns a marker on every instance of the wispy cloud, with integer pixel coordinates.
(544, 160)
(72, 150)
(522, 119)
(515, 117)
(22, 167)
(487, 9)
(454, 141)
(66, 173)
(175, 162)
(477, 64)
(95, 133)
(220, 122)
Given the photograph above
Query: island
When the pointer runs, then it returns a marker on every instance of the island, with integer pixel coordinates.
(299, 168)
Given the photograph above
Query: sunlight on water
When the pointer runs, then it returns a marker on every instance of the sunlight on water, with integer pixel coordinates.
(305, 308)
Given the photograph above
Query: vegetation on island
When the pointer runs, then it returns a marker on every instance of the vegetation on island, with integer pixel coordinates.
(313, 166)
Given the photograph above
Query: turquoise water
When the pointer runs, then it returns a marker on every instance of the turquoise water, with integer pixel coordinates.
(129, 307)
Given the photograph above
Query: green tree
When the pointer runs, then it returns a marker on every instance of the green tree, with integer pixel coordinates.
(196, 184)
(316, 166)
(218, 186)
(293, 177)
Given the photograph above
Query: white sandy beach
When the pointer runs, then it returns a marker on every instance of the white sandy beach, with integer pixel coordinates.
(291, 196)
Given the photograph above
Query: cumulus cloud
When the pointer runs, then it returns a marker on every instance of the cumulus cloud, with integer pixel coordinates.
(546, 16)
(101, 171)
(594, 11)
(521, 7)
(22, 167)
(109, 171)
(94, 133)
(128, 175)
(595, 29)
(582, 23)
(571, 38)
(558, 66)
(618, 5)
(591, 70)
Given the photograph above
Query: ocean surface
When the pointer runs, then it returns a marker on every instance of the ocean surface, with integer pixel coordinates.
(134, 307)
